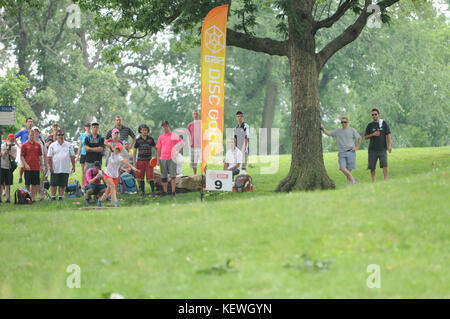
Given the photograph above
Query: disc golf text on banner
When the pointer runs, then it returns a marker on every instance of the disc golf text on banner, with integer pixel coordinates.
(214, 31)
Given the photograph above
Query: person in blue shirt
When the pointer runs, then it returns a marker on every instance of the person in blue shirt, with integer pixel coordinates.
(24, 134)
(81, 154)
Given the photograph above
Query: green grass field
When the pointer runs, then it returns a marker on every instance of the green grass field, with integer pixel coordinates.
(296, 245)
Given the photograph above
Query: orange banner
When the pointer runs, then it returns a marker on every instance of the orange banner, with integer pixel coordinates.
(214, 32)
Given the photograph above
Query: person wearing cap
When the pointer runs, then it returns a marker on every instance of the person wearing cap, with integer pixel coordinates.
(143, 153)
(52, 136)
(81, 154)
(113, 142)
(111, 174)
(60, 155)
(94, 145)
(242, 137)
(31, 155)
(43, 176)
(8, 153)
(166, 154)
(125, 131)
(24, 134)
(93, 184)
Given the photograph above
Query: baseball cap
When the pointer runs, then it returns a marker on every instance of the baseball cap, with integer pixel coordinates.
(94, 124)
(10, 136)
(34, 128)
(87, 124)
(97, 164)
(165, 122)
(115, 130)
(119, 146)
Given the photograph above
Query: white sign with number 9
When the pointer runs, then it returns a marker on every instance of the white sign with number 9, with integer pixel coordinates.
(219, 181)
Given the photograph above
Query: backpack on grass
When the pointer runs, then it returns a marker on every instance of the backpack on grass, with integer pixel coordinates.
(127, 184)
(243, 183)
(22, 196)
(73, 189)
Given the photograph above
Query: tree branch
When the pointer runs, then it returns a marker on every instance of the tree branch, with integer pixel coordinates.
(61, 30)
(349, 34)
(265, 45)
(328, 22)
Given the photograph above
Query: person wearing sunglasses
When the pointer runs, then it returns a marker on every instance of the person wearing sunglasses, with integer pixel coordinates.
(346, 137)
(379, 134)
(60, 155)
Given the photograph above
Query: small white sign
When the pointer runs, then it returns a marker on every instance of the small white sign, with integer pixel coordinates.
(219, 181)
(7, 115)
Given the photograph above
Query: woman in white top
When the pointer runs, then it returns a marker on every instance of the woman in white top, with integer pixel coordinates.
(111, 174)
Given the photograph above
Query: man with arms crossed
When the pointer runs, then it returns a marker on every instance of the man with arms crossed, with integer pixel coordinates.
(346, 137)
(379, 134)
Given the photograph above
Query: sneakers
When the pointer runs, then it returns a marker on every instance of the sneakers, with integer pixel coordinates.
(174, 194)
(88, 202)
(59, 197)
(355, 181)
(99, 204)
(53, 198)
(117, 204)
(163, 194)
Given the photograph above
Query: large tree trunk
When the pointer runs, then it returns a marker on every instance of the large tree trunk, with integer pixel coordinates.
(307, 170)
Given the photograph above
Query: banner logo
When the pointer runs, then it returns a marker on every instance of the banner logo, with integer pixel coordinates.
(214, 39)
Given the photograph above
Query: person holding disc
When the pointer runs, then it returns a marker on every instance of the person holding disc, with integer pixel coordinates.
(111, 174)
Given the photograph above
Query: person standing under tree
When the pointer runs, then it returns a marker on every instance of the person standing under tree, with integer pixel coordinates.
(242, 137)
(43, 176)
(124, 131)
(195, 135)
(24, 135)
(31, 155)
(166, 154)
(60, 155)
(94, 145)
(81, 154)
(379, 134)
(143, 154)
(8, 153)
(346, 137)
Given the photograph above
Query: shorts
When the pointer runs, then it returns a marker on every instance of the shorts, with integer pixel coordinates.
(347, 160)
(82, 159)
(96, 187)
(32, 178)
(195, 157)
(145, 169)
(59, 179)
(115, 179)
(5, 177)
(168, 167)
(374, 156)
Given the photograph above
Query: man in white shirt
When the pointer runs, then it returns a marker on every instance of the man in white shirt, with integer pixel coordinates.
(233, 158)
(60, 154)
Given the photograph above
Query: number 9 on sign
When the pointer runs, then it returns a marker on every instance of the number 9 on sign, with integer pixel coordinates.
(219, 181)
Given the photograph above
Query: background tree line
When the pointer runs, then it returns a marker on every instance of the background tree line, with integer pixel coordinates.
(77, 74)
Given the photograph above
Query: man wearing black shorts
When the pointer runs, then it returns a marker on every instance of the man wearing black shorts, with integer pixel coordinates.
(379, 134)
(60, 154)
(94, 145)
(31, 155)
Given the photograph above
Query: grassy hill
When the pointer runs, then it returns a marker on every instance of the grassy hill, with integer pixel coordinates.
(253, 245)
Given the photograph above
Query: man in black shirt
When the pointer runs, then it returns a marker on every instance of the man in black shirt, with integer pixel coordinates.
(380, 139)
(124, 131)
(144, 145)
(93, 145)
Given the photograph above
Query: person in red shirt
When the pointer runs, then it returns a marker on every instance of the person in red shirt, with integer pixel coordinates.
(166, 154)
(31, 155)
